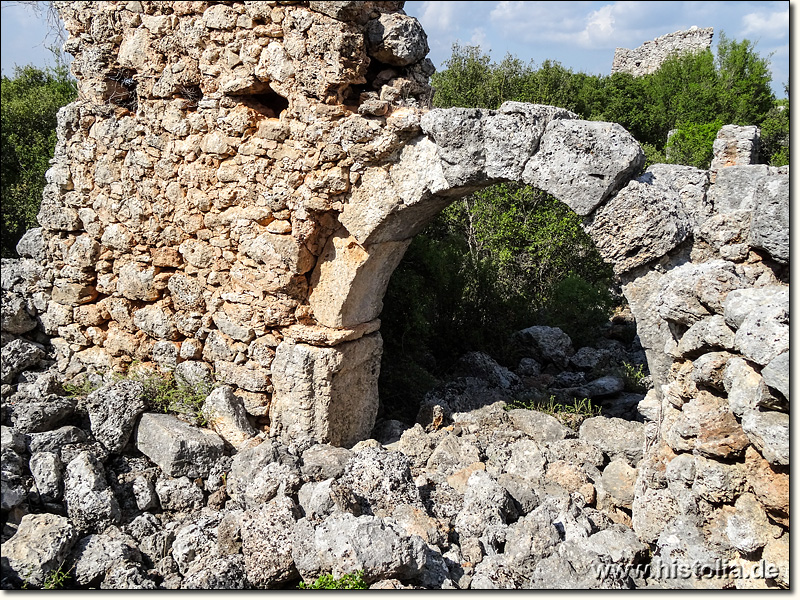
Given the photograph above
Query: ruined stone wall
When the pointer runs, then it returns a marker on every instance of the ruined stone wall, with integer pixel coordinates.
(199, 176)
(648, 57)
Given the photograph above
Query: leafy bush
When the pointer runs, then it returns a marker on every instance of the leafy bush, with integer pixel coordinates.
(693, 144)
(349, 581)
(30, 100)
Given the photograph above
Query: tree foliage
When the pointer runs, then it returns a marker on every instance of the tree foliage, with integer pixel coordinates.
(30, 100)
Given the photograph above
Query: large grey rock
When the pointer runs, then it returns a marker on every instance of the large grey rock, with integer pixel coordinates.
(259, 474)
(689, 183)
(547, 344)
(328, 395)
(619, 481)
(769, 229)
(216, 573)
(247, 463)
(747, 527)
(15, 317)
(736, 187)
(19, 275)
(316, 500)
(709, 333)
(53, 441)
(344, 543)
(691, 292)
(195, 539)
(583, 162)
(95, 554)
(194, 373)
(39, 547)
(396, 39)
(740, 303)
(378, 481)
(268, 544)
(90, 501)
(13, 484)
(180, 494)
(42, 414)
(177, 447)
(125, 575)
(745, 387)
(47, 470)
(602, 387)
(769, 432)
(226, 415)
(776, 374)
(323, 461)
(483, 366)
(641, 223)
(617, 438)
(531, 539)
(487, 505)
(16, 356)
(764, 332)
(113, 411)
(31, 245)
(12, 439)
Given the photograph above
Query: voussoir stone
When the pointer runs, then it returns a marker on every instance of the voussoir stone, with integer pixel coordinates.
(583, 162)
(177, 447)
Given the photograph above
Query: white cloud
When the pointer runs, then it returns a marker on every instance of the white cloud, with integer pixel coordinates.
(479, 38)
(775, 24)
(583, 24)
(437, 16)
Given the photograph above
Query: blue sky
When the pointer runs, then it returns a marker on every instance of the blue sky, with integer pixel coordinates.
(579, 35)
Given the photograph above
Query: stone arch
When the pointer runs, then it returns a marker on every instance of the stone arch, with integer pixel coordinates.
(458, 151)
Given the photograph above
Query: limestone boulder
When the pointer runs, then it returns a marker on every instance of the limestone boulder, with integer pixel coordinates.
(39, 547)
(17, 356)
(769, 230)
(91, 503)
(113, 411)
(396, 39)
(42, 414)
(176, 447)
(345, 543)
(268, 543)
(225, 414)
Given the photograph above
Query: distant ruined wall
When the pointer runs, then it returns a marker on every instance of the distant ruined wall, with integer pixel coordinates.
(648, 57)
(237, 181)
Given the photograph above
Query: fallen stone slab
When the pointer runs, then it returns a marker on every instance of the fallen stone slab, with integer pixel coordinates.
(176, 447)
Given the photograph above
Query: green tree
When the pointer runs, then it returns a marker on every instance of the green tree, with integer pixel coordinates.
(775, 133)
(693, 144)
(30, 100)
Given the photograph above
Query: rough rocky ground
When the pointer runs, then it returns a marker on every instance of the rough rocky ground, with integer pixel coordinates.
(475, 495)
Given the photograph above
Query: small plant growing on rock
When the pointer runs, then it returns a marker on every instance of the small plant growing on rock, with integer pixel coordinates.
(56, 579)
(570, 414)
(634, 378)
(349, 581)
(166, 394)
